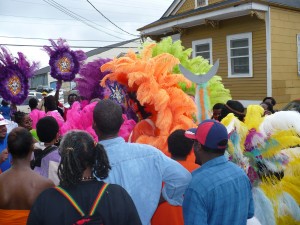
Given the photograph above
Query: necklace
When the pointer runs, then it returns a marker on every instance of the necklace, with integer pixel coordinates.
(87, 178)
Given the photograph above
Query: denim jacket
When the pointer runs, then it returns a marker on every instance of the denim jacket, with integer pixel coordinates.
(141, 169)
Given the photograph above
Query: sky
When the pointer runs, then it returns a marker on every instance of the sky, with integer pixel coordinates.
(33, 22)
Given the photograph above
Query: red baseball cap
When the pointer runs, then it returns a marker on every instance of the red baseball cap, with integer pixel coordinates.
(209, 133)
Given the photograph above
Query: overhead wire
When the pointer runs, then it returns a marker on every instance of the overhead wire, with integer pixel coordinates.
(23, 45)
(110, 20)
(69, 13)
(94, 22)
(49, 18)
(32, 38)
(77, 15)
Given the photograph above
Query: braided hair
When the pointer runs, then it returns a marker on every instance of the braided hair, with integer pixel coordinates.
(78, 152)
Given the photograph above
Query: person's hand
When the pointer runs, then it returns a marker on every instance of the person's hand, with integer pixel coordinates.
(3, 155)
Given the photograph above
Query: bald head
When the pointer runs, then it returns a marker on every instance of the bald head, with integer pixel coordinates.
(107, 117)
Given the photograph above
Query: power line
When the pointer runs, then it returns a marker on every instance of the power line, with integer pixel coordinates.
(47, 39)
(77, 17)
(61, 6)
(21, 45)
(109, 19)
(111, 3)
(74, 16)
(49, 18)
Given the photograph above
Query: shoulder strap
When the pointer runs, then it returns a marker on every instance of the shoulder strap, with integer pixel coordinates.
(74, 203)
(41, 154)
(97, 200)
(70, 199)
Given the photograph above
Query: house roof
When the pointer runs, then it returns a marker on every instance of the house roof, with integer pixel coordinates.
(168, 17)
(90, 53)
(287, 3)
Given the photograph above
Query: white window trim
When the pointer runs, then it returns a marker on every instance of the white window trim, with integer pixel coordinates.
(203, 41)
(298, 53)
(196, 5)
(236, 37)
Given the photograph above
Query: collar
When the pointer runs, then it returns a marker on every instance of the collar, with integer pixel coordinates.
(214, 162)
(112, 141)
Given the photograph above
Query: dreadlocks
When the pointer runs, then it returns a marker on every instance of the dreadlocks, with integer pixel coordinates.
(78, 152)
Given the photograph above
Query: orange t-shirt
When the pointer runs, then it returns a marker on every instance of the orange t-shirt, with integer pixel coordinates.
(13, 217)
(167, 214)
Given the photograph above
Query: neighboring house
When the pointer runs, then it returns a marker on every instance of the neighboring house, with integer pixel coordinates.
(257, 42)
(42, 76)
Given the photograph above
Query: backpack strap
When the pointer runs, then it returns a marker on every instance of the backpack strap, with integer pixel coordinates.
(97, 200)
(40, 154)
(74, 203)
(70, 199)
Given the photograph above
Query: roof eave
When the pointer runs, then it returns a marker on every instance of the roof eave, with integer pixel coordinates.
(221, 13)
(171, 8)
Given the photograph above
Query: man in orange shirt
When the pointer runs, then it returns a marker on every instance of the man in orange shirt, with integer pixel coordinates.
(179, 147)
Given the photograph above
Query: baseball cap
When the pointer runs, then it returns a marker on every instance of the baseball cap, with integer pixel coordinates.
(209, 133)
(3, 121)
(44, 93)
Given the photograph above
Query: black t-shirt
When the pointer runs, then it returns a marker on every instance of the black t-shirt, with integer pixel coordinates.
(115, 207)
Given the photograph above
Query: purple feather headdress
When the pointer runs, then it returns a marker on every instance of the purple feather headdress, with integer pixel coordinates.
(64, 62)
(14, 76)
(88, 84)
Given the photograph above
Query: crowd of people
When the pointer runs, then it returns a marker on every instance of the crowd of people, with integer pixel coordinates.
(46, 180)
(148, 140)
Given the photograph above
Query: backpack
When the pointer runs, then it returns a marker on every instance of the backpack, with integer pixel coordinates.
(39, 154)
(85, 219)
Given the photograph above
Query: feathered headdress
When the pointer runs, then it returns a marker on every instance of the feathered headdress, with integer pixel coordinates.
(64, 62)
(264, 147)
(89, 79)
(14, 76)
(88, 86)
(157, 89)
(82, 119)
(197, 65)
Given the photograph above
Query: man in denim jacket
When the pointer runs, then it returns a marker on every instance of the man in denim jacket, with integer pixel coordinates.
(139, 168)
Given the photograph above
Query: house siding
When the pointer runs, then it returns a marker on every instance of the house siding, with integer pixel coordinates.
(285, 26)
(187, 6)
(253, 88)
(190, 5)
(214, 1)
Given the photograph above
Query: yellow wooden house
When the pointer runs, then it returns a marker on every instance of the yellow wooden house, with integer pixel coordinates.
(257, 42)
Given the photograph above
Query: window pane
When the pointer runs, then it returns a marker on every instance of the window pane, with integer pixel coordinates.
(240, 52)
(240, 65)
(201, 2)
(239, 43)
(205, 55)
(202, 47)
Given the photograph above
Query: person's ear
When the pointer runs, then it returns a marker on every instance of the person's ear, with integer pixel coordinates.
(57, 136)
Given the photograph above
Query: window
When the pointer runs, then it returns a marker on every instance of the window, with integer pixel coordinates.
(201, 3)
(239, 52)
(203, 48)
(298, 44)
